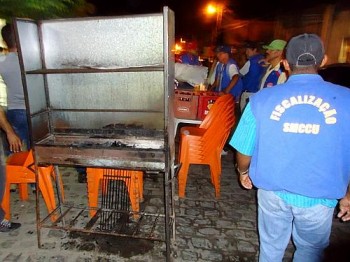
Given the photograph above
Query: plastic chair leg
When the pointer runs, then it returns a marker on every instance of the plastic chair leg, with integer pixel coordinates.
(93, 181)
(216, 177)
(183, 172)
(5, 204)
(23, 191)
(51, 171)
(139, 176)
(134, 196)
(47, 192)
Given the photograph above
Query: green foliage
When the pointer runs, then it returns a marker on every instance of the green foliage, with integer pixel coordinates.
(43, 9)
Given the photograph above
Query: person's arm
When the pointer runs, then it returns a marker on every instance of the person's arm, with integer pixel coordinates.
(243, 140)
(245, 69)
(243, 163)
(234, 74)
(344, 207)
(13, 140)
(231, 85)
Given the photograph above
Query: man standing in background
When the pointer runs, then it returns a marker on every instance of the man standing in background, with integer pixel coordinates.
(251, 72)
(274, 74)
(227, 78)
(190, 57)
(11, 74)
(15, 146)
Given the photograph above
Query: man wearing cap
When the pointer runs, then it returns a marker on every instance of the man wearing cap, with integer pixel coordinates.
(190, 57)
(274, 73)
(293, 145)
(251, 72)
(227, 78)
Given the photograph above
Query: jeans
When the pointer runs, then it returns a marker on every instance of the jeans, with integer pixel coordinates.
(310, 229)
(19, 122)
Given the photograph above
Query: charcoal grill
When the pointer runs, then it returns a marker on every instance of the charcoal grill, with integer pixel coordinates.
(99, 93)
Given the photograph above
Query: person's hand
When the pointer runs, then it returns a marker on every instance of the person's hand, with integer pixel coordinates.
(14, 142)
(246, 181)
(344, 209)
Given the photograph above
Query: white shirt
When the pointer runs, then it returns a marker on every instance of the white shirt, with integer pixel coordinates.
(245, 69)
(281, 79)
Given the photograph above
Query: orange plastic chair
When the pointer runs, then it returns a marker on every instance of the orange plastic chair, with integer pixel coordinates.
(20, 170)
(203, 144)
(133, 180)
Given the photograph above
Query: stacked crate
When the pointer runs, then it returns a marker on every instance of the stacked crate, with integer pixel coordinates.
(193, 104)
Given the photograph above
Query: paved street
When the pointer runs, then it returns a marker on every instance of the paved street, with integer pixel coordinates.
(208, 229)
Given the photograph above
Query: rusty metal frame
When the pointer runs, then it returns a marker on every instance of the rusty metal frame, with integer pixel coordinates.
(159, 159)
(91, 224)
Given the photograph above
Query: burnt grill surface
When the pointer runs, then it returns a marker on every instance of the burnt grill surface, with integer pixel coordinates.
(116, 129)
(127, 148)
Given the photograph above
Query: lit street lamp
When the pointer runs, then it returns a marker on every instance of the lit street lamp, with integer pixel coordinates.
(211, 9)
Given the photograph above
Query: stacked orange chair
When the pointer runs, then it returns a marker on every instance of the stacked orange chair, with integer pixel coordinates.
(20, 170)
(133, 180)
(203, 144)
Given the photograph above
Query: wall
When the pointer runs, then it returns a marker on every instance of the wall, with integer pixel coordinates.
(330, 22)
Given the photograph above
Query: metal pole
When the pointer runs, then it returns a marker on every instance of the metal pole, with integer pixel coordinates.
(167, 215)
(219, 12)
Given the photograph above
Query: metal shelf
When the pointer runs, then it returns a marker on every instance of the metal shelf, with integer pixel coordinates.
(89, 70)
(71, 218)
(85, 96)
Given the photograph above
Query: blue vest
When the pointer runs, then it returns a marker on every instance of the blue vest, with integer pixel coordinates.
(272, 79)
(251, 80)
(303, 138)
(223, 74)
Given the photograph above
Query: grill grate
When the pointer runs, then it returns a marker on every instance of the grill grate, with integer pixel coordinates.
(148, 226)
(115, 197)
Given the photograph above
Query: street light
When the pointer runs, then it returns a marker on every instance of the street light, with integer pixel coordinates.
(211, 9)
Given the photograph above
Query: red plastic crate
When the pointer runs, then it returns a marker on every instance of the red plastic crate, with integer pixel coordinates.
(185, 104)
(206, 100)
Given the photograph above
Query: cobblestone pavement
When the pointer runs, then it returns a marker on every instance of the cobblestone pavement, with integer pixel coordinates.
(207, 229)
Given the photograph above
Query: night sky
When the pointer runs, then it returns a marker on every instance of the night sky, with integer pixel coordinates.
(189, 18)
(187, 12)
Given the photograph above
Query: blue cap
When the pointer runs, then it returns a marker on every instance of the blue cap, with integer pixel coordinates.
(224, 49)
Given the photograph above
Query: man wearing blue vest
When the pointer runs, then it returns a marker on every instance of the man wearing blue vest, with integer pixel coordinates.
(251, 72)
(190, 57)
(227, 78)
(293, 145)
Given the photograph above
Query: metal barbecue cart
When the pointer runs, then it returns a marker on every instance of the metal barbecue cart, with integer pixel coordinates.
(99, 93)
